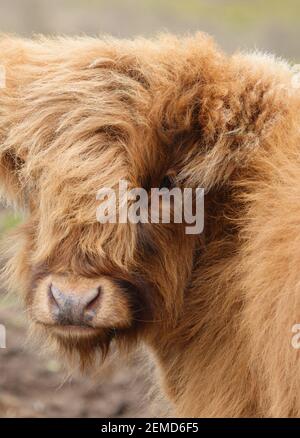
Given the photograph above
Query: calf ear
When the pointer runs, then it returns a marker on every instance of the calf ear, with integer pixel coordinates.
(11, 188)
(14, 76)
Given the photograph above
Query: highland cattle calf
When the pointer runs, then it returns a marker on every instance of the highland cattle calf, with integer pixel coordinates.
(216, 309)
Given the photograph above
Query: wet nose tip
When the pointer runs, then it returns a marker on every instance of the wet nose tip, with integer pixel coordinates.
(70, 307)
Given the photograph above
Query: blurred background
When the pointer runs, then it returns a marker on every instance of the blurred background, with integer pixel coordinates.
(36, 386)
(270, 25)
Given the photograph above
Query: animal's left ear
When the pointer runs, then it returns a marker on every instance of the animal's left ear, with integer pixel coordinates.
(10, 183)
(14, 75)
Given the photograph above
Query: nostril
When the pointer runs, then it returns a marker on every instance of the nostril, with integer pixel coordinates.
(57, 298)
(92, 305)
(93, 298)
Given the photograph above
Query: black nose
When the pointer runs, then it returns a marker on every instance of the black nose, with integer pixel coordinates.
(73, 308)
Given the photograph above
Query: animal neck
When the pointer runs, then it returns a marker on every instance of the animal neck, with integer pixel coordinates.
(203, 362)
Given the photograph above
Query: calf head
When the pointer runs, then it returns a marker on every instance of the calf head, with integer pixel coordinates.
(80, 115)
(77, 116)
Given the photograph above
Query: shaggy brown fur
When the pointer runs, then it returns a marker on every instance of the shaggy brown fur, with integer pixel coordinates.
(216, 310)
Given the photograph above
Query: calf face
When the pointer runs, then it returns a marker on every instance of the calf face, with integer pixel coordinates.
(73, 124)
